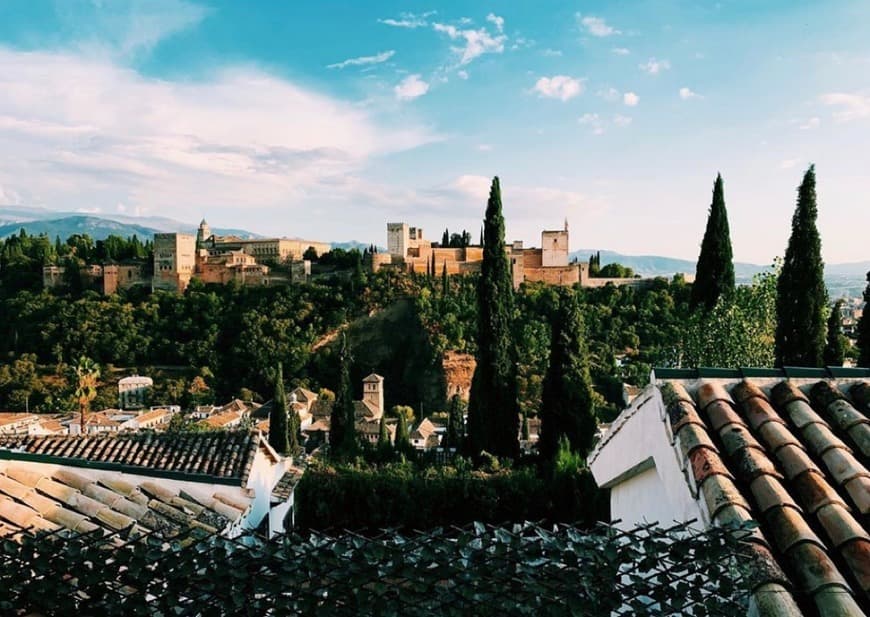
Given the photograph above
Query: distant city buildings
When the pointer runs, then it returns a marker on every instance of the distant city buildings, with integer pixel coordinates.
(179, 258)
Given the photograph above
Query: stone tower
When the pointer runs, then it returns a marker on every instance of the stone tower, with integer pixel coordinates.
(373, 391)
(203, 234)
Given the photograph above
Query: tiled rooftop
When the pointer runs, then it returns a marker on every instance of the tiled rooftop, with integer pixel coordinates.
(40, 497)
(223, 456)
(794, 459)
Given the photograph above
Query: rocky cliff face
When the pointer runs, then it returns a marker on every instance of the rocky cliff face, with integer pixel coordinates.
(458, 371)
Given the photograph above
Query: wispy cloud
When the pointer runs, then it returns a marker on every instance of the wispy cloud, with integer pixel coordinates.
(560, 87)
(462, 74)
(551, 52)
(593, 121)
(477, 42)
(411, 88)
(620, 120)
(497, 21)
(621, 51)
(687, 94)
(630, 99)
(851, 106)
(90, 132)
(789, 163)
(654, 67)
(363, 60)
(811, 123)
(596, 26)
(409, 20)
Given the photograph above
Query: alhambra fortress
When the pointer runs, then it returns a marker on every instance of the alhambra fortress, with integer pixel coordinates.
(179, 258)
(407, 249)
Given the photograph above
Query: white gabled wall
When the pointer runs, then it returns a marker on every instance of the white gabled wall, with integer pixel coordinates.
(638, 463)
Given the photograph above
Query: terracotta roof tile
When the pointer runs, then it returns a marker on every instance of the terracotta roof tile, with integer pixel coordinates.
(788, 464)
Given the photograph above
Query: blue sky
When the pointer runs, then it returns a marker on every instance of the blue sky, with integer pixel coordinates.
(328, 119)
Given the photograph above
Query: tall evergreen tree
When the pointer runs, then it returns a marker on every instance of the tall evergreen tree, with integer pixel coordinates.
(835, 345)
(445, 239)
(481, 236)
(403, 437)
(566, 397)
(493, 411)
(342, 432)
(864, 329)
(445, 283)
(455, 423)
(279, 434)
(801, 299)
(714, 275)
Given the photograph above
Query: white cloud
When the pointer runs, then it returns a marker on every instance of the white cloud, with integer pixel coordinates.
(654, 67)
(789, 163)
(551, 52)
(630, 99)
(588, 118)
(87, 132)
(851, 106)
(408, 20)
(128, 29)
(688, 93)
(484, 147)
(560, 87)
(363, 60)
(621, 51)
(596, 26)
(520, 202)
(410, 88)
(477, 42)
(8, 197)
(462, 74)
(811, 123)
(496, 20)
(609, 94)
(620, 120)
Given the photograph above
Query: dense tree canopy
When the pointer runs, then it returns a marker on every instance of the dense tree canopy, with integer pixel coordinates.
(835, 341)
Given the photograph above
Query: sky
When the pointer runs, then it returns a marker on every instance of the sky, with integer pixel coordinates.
(326, 120)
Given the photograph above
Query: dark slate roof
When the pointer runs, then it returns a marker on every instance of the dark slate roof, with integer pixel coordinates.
(795, 461)
(223, 457)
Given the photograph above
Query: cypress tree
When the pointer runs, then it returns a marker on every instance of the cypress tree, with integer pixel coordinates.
(835, 346)
(566, 397)
(493, 412)
(481, 236)
(445, 284)
(801, 299)
(385, 447)
(864, 329)
(445, 239)
(455, 424)
(714, 275)
(342, 436)
(403, 438)
(278, 427)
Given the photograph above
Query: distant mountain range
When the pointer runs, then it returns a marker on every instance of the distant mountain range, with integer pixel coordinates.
(842, 279)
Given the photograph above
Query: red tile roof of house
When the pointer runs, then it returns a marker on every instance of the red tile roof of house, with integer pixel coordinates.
(795, 461)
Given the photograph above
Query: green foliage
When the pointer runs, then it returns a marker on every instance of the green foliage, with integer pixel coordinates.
(738, 331)
(455, 424)
(493, 412)
(715, 271)
(403, 438)
(403, 411)
(182, 423)
(615, 271)
(87, 376)
(282, 433)
(802, 299)
(835, 340)
(566, 410)
(864, 329)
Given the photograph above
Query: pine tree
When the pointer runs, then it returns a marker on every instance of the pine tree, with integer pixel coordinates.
(801, 299)
(445, 239)
(278, 427)
(493, 412)
(342, 436)
(864, 329)
(455, 424)
(835, 346)
(566, 397)
(714, 275)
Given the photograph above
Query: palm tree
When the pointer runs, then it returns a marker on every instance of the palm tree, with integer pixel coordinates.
(87, 375)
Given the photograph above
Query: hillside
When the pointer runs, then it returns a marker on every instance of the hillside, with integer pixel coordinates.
(95, 227)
